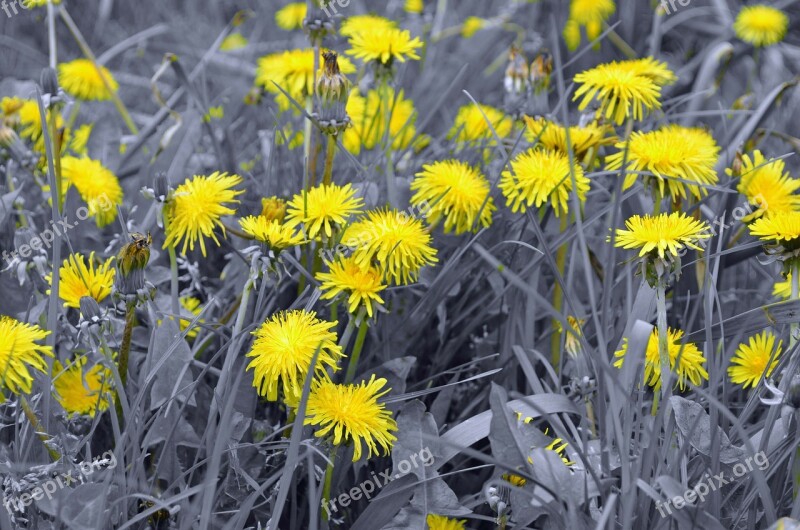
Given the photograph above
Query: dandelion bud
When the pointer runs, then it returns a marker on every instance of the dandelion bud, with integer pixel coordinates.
(161, 187)
(92, 316)
(273, 208)
(333, 89)
(131, 262)
(49, 82)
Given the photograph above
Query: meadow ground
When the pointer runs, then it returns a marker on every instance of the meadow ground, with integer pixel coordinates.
(415, 264)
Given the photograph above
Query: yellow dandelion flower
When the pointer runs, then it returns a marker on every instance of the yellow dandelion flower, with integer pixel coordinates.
(80, 139)
(97, 185)
(352, 414)
(590, 14)
(662, 234)
(81, 79)
(277, 235)
(401, 244)
(234, 41)
(456, 192)
(359, 23)
(384, 45)
(82, 392)
(196, 209)
(19, 353)
(293, 70)
(471, 126)
(761, 25)
(777, 228)
(323, 208)
(414, 6)
(440, 522)
(368, 121)
(766, 184)
(749, 364)
(514, 480)
(541, 176)
(284, 347)
(471, 26)
(783, 289)
(685, 360)
(273, 208)
(291, 16)
(29, 4)
(683, 159)
(572, 341)
(559, 447)
(551, 135)
(361, 283)
(651, 68)
(30, 123)
(77, 279)
(620, 91)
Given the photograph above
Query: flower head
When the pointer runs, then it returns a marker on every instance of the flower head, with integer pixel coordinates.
(681, 158)
(767, 185)
(414, 6)
(323, 208)
(400, 243)
(234, 41)
(551, 135)
(685, 360)
(360, 23)
(273, 208)
(472, 124)
(97, 186)
(360, 283)
(384, 45)
(440, 522)
(78, 280)
(456, 192)
(761, 25)
(783, 289)
(620, 89)
(542, 176)
(82, 79)
(18, 353)
(651, 68)
(277, 235)
(82, 391)
(284, 347)
(752, 360)
(471, 26)
(778, 228)
(352, 414)
(664, 235)
(590, 14)
(196, 209)
(368, 121)
(291, 16)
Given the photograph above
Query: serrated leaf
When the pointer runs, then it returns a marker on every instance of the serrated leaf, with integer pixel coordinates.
(695, 424)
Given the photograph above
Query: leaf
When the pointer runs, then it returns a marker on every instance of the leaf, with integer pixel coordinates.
(84, 507)
(695, 424)
(503, 434)
(173, 378)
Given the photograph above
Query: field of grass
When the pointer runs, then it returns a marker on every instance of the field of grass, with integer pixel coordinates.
(415, 264)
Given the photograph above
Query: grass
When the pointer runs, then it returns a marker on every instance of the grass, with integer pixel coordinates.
(474, 349)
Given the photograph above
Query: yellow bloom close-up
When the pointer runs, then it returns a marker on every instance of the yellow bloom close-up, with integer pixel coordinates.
(196, 209)
(283, 349)
(440, 522)
(778, 228)
(368, 120)
(620, 89)
(384, 45)
(323, 208)
(474, 123)
(755, 359)
(664, 235)
(360, 283)
(80, 391)
(97, 185)
(78, 279)
(587, 14)
(359, 23)
(551, 135)
(685, 360)
(761, 25)
(82, 79)
(456, 192)
(291, 16)
(539, 177)
(767, 185)
(19, 354)
(352, 414)
(276, 234)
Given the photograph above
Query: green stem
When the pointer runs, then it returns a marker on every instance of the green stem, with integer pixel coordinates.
(38, 428)
(56, 140)
(795, 281)
(125, 347)
(330, 153)
(558, 294)
(663, 342)
(357, 347)
(51, 35)
(326, 488)
(307, 129)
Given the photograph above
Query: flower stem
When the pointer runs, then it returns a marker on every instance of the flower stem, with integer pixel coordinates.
(330, 153)
(326, 488)
(125, 349)
(663, 342)
(793, 329)
(357, 347)
(558, 294)
(37, 427)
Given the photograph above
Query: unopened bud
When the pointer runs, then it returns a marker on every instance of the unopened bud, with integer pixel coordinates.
(333, 89)
(49, 82)
(273, 208)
